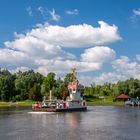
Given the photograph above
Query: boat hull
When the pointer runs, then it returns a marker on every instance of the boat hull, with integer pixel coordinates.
(59, 109)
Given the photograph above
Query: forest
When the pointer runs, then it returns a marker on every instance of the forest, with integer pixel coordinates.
(34, 86)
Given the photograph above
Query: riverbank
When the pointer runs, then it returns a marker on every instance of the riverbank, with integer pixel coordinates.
(103, 102)
(92, 102)
(19, 103)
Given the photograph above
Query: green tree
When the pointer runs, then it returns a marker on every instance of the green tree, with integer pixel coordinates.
(25, 81)
(7, 88)
(58, 88)
(48, 84)
(64, 92)
(67, 79)
(35, 93)
(106, 89)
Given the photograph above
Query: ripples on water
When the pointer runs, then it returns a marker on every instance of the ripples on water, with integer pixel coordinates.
(99, 123)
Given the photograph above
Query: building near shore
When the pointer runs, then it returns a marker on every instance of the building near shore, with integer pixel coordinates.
(122, 97)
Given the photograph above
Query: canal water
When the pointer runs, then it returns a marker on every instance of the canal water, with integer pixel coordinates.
(98, 123)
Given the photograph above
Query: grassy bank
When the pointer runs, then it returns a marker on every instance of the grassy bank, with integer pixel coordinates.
(90, 102)
(19, 103)
(106, 101)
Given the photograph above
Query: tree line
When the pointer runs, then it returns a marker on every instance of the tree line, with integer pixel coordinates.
(31, 85)
(34, 86)
(130, 87)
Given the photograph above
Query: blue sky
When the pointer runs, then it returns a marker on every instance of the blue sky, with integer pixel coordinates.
(100, 38)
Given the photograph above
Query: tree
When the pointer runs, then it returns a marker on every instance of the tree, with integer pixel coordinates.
(106, 89)
(35, 93)
(7, 88)
(25, 81)
(68, 79)
(58, 88)
(115, 91)
(64, 93)
(48, 83)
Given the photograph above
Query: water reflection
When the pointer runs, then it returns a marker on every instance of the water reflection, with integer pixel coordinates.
(100, 123)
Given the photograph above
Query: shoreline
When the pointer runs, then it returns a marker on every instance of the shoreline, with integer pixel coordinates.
(29, 103)
(105, 103)
(18, 104)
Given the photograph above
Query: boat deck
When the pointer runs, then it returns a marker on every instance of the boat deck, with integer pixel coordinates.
(59, 109)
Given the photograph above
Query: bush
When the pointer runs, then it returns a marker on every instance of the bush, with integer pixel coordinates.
(114, 100)
(13, 99)
(17, 98)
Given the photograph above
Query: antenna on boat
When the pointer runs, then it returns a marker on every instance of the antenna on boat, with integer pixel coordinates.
(50, 95)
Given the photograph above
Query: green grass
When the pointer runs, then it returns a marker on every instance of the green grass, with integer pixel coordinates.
(91, 101)
(3, 104)
(25, 103)
(106, 101)
(19, 103)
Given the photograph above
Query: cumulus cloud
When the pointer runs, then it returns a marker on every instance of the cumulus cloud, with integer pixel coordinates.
(72, 36)
(111, 77)
(72, 12)
(98, 54)
(29, 10)
(104, 77)
(123, 68)
(10, 58)
(38, 48)
(77, 36)
(127, 67)
(64, 66)
(44, 48)
(138, 57)
(17, 69)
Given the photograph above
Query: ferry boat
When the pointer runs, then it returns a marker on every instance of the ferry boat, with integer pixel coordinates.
(75, 102)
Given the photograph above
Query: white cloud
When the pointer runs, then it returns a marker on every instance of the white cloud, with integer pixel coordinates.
(98, 54)
(43, 48)
(22, 69)
(38, 48)
(123, 68)
(58, 66)
(104, 77)
(111, 77)
(29, 10)
(43, 11)
(135, 16)
(126, 67)
(85, 80)
(77, 36)
(136, 12)
(48, 15)
(72, 12)
(54, 16)
(12, 58)
(138, 57)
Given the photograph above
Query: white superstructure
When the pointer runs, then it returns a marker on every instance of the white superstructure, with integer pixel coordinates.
(75, 90)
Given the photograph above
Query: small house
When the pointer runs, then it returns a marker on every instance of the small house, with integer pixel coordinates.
(122, 97)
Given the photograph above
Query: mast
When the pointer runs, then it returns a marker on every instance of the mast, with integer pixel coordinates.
(73, 74)
(50, 95)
